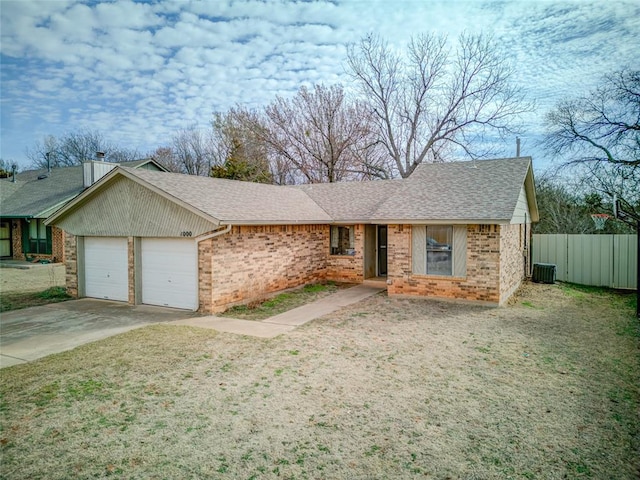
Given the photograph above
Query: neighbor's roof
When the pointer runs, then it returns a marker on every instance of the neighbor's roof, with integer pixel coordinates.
(478, 191)
(30, 197)
(145, 163)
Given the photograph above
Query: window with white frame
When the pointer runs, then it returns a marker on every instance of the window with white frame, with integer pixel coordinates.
(342, 240)
(439, 250)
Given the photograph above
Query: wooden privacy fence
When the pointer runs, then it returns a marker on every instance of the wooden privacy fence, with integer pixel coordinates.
(599, 260)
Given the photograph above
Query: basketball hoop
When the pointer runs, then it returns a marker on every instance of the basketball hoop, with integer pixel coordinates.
(599, 219)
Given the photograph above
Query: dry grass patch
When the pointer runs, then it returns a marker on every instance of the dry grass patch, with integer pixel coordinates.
(36, 279)
(388, 388)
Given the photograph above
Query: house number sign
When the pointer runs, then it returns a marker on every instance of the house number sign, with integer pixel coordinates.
(186, 234)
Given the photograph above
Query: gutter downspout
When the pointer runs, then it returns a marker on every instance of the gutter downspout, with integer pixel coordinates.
(216, 233)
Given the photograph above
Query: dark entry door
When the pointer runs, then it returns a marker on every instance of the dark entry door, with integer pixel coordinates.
(5, 239)
(382, 250)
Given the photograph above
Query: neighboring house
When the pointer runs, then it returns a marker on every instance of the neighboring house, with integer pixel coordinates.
(453, 230)
(29, 198)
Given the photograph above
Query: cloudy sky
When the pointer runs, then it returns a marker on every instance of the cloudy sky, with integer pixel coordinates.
(139, 71)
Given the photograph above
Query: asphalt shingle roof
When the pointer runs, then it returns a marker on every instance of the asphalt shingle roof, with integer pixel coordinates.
(457, 191)
(30, 197)
(476, 190)
(232, 201)
(349, 201)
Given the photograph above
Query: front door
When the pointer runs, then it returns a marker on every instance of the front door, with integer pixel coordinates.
(370, 257)
(382, 250)
(5, 240)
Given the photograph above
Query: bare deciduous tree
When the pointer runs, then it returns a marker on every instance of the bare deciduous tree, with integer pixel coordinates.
(76, 147)
(6, 167)
(598, 136)
(192, 148)
(431, 101)
(566, 204)
(560, 208)
(323, 135)
(120, 155)
(165, 157)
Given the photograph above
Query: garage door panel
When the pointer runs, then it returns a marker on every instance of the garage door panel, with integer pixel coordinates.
(169, 273)
(106, 268)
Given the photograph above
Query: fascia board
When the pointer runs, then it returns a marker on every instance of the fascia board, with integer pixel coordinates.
(444, 221)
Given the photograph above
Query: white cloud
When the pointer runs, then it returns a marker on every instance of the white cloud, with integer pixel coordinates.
(126, 14)
(148, 69)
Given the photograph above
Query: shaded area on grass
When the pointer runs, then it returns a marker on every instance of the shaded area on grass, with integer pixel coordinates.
(629, 297)
(388, 388)
(15, 301)
(284, 301)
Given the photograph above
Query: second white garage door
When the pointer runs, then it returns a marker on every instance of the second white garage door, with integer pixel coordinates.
(169, 272)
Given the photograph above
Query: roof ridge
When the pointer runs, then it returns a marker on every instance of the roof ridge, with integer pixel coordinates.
(202, 178)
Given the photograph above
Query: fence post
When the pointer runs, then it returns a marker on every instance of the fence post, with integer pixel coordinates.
(567, 270)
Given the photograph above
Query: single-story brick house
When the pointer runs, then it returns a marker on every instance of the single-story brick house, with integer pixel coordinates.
(29, 197)
(456, 230)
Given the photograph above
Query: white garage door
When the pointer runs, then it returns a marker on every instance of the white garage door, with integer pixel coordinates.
(105, 268)
(170, 272)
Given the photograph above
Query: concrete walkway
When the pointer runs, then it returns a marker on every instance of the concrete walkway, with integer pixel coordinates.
(24, 265)
(287, 321)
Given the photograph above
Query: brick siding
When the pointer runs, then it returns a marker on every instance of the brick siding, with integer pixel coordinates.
(71, 264)
(250, 262)
(512, 258)
(131, 271)
(481, 283)
(16, 240)
(57, 247)
(205, 269)
(348, 268)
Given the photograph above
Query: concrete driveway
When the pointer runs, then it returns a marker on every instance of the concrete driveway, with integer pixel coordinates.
(36, 332)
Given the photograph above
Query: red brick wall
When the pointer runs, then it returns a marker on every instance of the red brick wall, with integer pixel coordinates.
(512, 258)
(348, 268)
(482, 281)
(250, 262)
